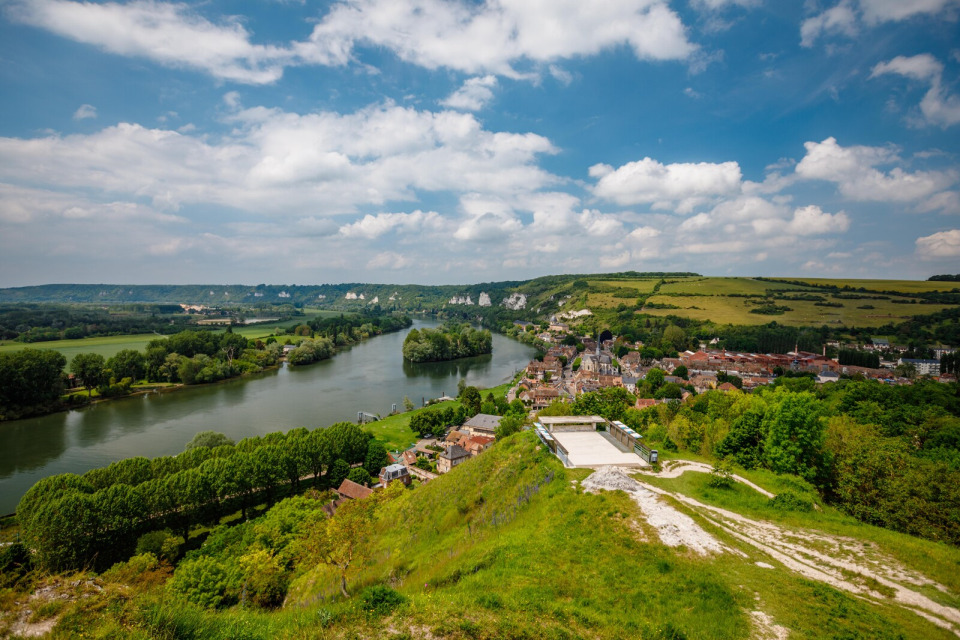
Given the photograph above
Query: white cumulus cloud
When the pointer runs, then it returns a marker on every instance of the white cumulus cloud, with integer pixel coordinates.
(473, 95)
(854, 171)
(371, 227)
(680, 185)
(171, 34)
(85, 112)
(937, 106)
(944, 244)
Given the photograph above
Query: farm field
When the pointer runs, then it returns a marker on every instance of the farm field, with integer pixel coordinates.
(733, 310)
(903, 286)
(642, 285)
(725, 286)
(107, 346)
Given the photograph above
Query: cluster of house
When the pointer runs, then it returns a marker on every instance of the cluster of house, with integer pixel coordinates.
(554, 377)
(473, 438)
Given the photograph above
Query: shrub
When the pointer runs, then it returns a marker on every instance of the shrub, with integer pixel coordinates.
(161, 543)
(790, 501)
(203, 581)
(720, 477)
(381, 599)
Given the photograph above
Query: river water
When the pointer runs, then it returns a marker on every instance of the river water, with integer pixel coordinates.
(370, 377)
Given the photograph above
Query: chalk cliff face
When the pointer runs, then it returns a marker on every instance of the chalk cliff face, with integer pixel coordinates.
(515, 302)
(461, 300)
(484, 300)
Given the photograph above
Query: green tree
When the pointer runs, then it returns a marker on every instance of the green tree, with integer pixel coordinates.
(508, 426)
(795, 435)
(89, 369)
(655, 378)
(209, 439)
(338, 472)
(128, 363)
(360, 476)
(377, 457)
(470, 398)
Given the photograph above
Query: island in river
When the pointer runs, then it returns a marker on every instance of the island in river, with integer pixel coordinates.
(448, 342)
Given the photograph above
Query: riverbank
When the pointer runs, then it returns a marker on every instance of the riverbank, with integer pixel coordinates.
(369, 377)
(75, 398)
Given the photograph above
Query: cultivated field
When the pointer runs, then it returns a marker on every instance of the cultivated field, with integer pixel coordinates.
(725, 286)
(903, 286)
(107, 346)
(733, 310)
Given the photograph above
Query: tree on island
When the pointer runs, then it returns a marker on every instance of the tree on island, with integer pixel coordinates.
(449, 342)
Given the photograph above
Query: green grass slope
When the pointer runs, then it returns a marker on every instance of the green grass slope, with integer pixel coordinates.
(508, 545)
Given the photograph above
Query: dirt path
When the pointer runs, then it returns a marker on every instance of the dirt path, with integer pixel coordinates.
(841, 562)
(676, 468)
(673, 527)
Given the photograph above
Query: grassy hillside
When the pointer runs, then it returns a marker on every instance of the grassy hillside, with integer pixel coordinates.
(508, 545)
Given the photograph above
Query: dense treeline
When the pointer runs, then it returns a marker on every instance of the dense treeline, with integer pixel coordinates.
(889, 456)
(31, 382)
(947, 277)
(857, 358)
(446, 343)
(72, 521)
(194, 357)
(43, 322)
(353, 328)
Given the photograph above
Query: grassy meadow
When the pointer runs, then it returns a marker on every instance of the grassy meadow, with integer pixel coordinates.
(508, 545)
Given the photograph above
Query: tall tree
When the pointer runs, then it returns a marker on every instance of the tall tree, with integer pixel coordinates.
(88, 367)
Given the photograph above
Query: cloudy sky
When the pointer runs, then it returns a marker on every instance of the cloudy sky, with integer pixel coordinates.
(457, 141)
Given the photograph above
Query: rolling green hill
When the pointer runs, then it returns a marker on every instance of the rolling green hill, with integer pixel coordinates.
(510, 545)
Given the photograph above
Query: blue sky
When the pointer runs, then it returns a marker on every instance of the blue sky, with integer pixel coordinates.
(433, 142)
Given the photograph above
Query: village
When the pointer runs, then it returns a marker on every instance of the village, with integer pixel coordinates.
(567, 371)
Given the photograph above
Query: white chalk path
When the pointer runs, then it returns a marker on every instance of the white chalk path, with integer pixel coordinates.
(842, 562)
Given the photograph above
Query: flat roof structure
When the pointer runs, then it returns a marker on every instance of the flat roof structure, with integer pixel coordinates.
(592, 449)
(555, 423)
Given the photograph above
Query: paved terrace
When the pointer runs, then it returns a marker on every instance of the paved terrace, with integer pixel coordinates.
(595, 449)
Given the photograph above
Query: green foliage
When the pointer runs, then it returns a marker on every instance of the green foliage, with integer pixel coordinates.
(15, 563)
(31, 382)
(360, 476)
(89, 369)
(127, 363)
(376, 457)
(790, 501)
(209, 439)
(161, 544)
(721, 477)
(338, 472)
(655, 377)
(610, 402)
(380, 600)
(446, 343)
(205, 581)
(795, 435)
(509, 425)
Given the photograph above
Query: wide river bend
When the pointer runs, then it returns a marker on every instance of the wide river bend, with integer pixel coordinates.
(370, 377)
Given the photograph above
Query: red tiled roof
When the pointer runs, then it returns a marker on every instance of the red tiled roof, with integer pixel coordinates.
(352, 490)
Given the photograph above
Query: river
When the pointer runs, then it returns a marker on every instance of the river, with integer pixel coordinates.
(370, 376)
